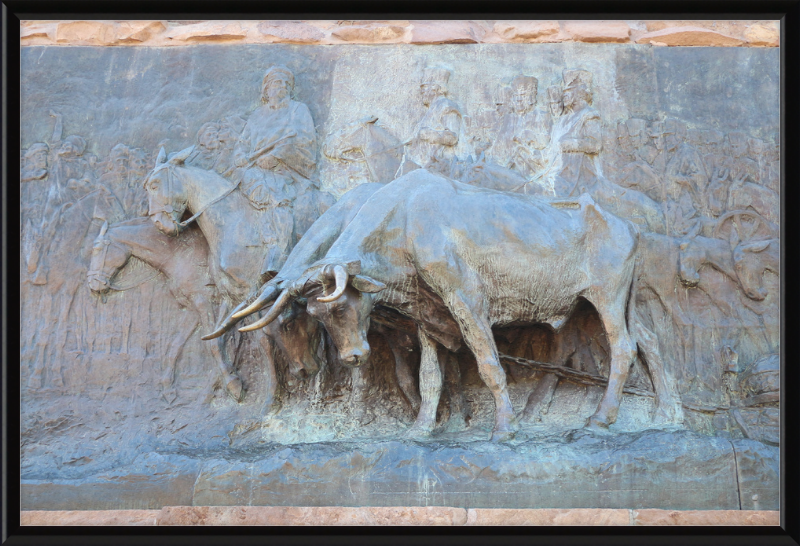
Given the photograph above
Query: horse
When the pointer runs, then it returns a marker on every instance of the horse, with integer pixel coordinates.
(240, 238)
(184, 263)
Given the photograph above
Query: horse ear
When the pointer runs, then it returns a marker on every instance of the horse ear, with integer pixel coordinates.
(371, 119)
(756, 246)
(734, 236)
(179, 157)
(103, 229)
(684, 245)
(162, 156)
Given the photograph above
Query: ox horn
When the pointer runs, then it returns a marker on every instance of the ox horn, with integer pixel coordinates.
(265, 298)
(283, 300)
(340, 274)
(226, 324)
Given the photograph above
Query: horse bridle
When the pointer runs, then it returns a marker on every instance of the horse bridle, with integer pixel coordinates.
(167, 208)
(104, 278)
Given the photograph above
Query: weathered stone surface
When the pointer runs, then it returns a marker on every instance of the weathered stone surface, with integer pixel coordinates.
(323, 515)
(710, 517)
(44, 30)
(688, 36)
(291, 32)
(89, 517)
(527, 31)
(598, 31)
(446, 32)
(138, 31)
(369, 33)
(150, 482)
(208, 31)
(87, 32)
(758, 472)
(575, 517)
(763, 35)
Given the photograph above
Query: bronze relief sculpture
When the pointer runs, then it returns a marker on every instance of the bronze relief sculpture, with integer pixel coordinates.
(565, 272)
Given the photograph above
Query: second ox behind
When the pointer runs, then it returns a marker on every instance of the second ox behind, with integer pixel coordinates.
(458, 260)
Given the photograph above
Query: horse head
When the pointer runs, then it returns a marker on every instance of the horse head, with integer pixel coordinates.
(166, 197)
(108, 258)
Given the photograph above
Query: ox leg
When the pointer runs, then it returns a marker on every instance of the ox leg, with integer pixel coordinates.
(452, 381)
(623, 351)
(430, 387)
(478, 337)
(402, 369)
(271, 402)
(233, 384)
(540, 399)
(668, 403)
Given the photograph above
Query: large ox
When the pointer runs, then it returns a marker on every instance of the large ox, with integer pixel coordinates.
(458, 260)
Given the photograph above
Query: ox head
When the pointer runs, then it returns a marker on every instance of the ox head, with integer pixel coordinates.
(749, 264)
(166, 197)
(107, 259)
(298, 337)
(339, 297)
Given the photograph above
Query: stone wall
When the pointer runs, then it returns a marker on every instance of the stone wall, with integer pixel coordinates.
(179, 33)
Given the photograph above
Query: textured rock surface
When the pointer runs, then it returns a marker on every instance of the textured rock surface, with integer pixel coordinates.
(666, 470)
(688, 36)
(90, 517)
(171, 33)
(598, 31)
(403, 515)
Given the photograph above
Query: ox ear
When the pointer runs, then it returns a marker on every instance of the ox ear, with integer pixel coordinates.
(353, 268)
(756, 247)
(365, 284)
(162, 156)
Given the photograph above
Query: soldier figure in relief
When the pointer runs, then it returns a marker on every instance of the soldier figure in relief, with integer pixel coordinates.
(436, 135)
(276, 150)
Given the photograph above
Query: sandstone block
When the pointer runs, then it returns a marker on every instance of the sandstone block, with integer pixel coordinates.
(598, 31)
(139, 31)
(88, 517)
(369, 33)
(86, 32)
(688, 36)
(302, 515)
(446, 32)
(763, 35)
(578, 516)
(526, 31)
(28, 31)
(291, 32)
(208, 31)
(706, 517)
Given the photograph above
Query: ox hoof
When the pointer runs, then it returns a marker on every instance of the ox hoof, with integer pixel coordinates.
(418, 433)
(596, 424)
(503, 435)
(235, 388)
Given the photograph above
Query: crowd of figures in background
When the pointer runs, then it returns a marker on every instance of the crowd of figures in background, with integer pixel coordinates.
(682, 182)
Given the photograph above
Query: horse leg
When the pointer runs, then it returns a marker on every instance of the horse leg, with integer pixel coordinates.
(167, 382)
(430, 387)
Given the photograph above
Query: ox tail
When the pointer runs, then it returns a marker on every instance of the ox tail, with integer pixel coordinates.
(668, 402)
